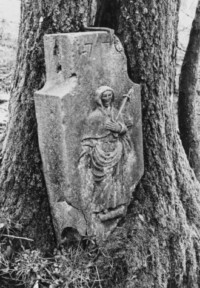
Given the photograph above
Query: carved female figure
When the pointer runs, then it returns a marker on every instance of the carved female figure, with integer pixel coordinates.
(107, 154)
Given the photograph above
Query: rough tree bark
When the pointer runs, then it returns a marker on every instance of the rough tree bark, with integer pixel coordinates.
(159, 239)
(23, 196)
(165, 210)
(188, 99)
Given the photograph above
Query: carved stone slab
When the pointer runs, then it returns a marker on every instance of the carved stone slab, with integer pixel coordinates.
(90, 135)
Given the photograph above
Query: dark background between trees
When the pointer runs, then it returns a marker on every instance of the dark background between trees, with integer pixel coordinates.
(163, 221)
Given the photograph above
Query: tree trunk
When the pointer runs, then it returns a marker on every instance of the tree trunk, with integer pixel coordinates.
(23, 196)
(188, 98)
(163, 220)
(159, 239)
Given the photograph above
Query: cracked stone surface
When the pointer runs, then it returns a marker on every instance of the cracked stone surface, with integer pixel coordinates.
(90, 170)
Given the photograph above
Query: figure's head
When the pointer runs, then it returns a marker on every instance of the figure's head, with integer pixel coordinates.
(104, 96)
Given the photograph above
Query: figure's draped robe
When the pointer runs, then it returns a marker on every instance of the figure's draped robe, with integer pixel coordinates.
(106, 161)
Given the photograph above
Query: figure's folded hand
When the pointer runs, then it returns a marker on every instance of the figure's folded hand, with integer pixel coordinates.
(113, 126)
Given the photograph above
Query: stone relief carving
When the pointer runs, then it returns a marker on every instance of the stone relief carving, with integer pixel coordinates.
(107, 154)
(90, 135)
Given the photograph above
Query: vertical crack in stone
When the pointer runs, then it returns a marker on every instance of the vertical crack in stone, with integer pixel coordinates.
(56, 48)
(59, 68)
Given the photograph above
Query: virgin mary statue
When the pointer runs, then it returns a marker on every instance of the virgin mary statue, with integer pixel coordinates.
(107, 154)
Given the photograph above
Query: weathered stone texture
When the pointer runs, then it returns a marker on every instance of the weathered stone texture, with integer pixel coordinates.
(76, 65)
